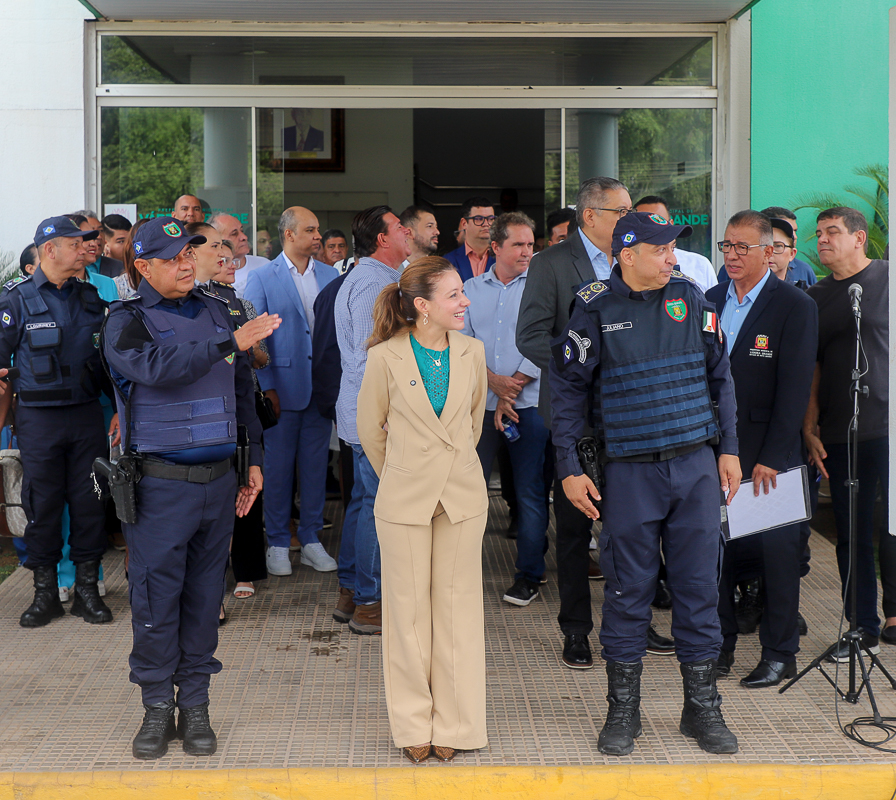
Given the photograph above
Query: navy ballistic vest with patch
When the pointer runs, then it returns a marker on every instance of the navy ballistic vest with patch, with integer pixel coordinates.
(653, 394)
(183, 416)
(57, 356)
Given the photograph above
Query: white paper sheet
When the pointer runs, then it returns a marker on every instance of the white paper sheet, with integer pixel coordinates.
(785, 505)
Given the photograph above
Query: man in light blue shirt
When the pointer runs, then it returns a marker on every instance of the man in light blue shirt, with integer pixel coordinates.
(742, 293)
(513, 383)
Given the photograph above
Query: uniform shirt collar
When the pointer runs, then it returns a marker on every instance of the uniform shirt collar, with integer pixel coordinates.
(618, 285)
(151, 297)
(40, 279)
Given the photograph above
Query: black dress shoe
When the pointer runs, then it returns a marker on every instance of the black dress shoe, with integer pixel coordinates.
(659, 645)
(769, 673)
(724, 664)
(888, 635)
(577, 652)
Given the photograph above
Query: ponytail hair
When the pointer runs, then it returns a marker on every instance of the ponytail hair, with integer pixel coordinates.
(394, 311)
(130, 268)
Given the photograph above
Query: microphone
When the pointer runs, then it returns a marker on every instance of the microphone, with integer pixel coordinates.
(855, 297)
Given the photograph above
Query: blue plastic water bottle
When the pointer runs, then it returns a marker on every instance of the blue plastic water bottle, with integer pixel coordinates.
(511, 431)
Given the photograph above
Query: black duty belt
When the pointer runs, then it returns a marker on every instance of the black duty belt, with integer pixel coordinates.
(665, 455)
(192, 473)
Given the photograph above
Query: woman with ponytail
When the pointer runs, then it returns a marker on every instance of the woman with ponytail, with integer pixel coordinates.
(420, 412)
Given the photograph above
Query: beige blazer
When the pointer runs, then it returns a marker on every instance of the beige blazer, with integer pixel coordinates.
(424, 459)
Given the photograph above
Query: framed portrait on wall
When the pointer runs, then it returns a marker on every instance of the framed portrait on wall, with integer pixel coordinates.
(306, 139)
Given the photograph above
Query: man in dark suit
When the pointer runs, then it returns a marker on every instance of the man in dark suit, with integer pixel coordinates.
(474, 255)
(554, 276)
(772, 335)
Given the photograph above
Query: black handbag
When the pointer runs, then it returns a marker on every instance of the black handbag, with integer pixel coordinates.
(264, 410)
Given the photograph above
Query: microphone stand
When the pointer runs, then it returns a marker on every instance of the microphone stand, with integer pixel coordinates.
(853, 637)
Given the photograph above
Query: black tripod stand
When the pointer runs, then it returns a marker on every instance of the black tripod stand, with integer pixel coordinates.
(853, 637)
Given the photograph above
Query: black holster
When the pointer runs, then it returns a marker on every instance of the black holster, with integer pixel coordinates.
(122, 476)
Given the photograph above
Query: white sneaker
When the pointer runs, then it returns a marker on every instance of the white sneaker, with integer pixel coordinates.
(64, 594)
(277, 561)
(315, 556)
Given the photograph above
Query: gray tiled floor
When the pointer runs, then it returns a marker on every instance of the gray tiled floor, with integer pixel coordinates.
(298, 690)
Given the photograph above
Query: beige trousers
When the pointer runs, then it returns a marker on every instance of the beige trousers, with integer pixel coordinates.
(433, 631)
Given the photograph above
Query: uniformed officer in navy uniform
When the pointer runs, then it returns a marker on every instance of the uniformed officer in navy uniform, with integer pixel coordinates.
(646, 347)
(184, 385)
(49, 326)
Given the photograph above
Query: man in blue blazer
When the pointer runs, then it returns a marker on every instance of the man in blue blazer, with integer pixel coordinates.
(474, 257)
(771, 329)
(288, 286)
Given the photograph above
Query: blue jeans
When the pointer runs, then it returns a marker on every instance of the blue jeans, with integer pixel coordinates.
(873, 468)
(359, 552)
(527, 459)
(301, 438)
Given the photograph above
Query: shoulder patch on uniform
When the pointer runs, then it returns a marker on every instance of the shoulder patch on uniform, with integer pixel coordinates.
(16, 281)
(217, 297)
(591, 291)
(677, 274)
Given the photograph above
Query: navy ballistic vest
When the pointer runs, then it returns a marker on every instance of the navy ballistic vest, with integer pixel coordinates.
(652, 393)
(57, 356)
(184, 416)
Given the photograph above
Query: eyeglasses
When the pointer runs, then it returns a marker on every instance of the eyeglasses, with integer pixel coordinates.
(621, 211)
(480, 220)
(780, 247)
(739, 248)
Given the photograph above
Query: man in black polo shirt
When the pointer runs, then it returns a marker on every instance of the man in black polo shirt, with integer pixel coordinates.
(842, 239)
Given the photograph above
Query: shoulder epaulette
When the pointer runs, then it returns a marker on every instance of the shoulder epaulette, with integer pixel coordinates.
(677, 274)
(217, 297)
(16, 281)
(131, 299)
(592, 290)
(220, 283)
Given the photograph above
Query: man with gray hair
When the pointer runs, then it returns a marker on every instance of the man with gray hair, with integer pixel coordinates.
(554, 276)
(288, 286)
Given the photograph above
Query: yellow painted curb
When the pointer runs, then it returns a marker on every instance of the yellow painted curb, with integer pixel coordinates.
(717, 782)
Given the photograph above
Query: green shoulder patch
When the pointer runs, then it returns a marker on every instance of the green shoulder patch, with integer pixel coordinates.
(592, 290)
(677, 274)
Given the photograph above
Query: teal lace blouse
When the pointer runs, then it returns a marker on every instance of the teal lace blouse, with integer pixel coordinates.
(435, 375)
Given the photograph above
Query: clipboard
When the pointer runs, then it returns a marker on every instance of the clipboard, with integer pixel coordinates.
(786, 505)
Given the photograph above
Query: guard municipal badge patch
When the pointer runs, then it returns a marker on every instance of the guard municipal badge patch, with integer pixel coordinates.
(172, 229)
(592, 290)
(677, 309)
(658, 219)
(96, 340)
(230, 358)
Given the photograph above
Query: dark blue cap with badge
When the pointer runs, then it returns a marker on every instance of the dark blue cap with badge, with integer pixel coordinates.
(60, 226)
(639, 226)
(163, 237)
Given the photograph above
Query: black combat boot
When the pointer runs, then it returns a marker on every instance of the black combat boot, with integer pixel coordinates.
(87, 603)
(156, 731)
(701, 716)
(749, 608)
(194, 727)
(46, 605)
(623, 725)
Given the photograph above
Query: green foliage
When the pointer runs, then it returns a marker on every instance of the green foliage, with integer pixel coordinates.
(9, 265)
(123, 64)
(876, 197)
(151, 155)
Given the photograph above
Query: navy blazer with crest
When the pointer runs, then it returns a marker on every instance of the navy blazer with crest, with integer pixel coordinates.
(772, 363)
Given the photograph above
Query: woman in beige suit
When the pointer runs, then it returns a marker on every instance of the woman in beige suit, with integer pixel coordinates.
(420, 413)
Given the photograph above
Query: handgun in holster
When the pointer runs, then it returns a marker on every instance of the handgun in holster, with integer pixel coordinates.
(122, 475)
(592, 459)
(242, 455)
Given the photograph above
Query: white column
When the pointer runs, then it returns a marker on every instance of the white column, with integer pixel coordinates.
(42, 107)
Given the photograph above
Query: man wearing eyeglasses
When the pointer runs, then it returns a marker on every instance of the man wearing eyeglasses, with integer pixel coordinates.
(554, 276)
(771, 328)
(474, 256)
